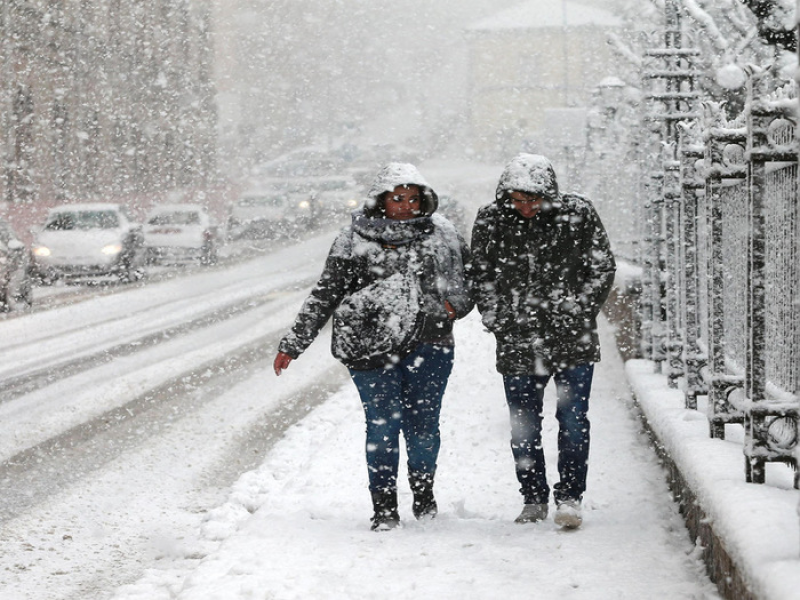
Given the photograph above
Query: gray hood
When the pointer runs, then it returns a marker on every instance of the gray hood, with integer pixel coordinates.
(394, 174)
(531, 173)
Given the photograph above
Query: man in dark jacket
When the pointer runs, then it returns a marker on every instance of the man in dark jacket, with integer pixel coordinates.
(543, 268)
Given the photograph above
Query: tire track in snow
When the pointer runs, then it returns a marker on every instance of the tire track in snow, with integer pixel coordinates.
(43, 375)
(88, 446)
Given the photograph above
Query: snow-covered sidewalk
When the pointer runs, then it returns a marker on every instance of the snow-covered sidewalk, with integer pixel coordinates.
(298, 527)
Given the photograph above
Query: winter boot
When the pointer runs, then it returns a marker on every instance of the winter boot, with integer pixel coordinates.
(531, 513)
(386, 517)
(568, 514)
(422, 487)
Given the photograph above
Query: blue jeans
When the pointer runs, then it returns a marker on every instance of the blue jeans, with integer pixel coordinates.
(525, 394)
(406, 397)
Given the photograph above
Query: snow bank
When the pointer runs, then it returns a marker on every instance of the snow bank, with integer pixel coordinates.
(757, 524)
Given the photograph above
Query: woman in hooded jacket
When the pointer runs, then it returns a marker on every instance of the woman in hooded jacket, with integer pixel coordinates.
(393, 283)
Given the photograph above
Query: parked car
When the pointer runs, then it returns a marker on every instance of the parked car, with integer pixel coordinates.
(180, 233)
(15, 277)
(272, 211)
(88, 241)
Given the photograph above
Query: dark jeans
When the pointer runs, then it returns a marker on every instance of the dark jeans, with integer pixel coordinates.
(524, 394)
(407, 398)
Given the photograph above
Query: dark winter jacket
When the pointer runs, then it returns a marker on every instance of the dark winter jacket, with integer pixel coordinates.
(375, 248)
(540, 282)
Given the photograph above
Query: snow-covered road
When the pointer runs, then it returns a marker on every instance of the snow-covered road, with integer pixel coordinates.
(120, 421)
(153, 334)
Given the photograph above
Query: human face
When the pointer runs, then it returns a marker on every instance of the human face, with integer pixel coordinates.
(528, 205)
(403, 203)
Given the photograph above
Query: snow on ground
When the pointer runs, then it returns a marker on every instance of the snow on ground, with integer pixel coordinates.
(101, 322)
(298, 526)
(148, 503)
(758, 523)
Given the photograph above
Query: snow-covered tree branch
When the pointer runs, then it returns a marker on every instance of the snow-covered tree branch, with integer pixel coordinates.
(776, 22)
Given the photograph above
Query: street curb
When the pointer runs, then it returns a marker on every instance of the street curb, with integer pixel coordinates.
(721, 568)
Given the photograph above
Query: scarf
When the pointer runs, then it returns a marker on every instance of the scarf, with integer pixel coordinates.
(392, 232)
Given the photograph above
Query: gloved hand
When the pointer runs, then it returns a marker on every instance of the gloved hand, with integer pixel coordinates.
(281, 362)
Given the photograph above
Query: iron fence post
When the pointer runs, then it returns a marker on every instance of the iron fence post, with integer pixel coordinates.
(673, 273)
(672, 99)
(755, 437)
(692, 185)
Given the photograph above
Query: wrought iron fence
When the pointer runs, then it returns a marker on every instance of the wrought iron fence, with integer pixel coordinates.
(721, 295)
(720, 247)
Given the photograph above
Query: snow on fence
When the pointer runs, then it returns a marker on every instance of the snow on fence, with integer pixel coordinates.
(716, 237)
(721, 304)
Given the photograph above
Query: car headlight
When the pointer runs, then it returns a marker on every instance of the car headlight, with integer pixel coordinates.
(41, 251)
(112, 249)
(352, 203)
(304, 204)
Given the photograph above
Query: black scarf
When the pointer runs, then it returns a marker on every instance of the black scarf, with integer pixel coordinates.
(392, 232)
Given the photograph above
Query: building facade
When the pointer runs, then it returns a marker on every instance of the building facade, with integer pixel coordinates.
(104, 99)
(531, 67)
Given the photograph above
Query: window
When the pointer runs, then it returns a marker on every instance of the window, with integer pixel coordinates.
(85, 219)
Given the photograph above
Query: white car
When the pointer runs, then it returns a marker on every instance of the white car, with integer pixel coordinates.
(88, 241)
(179, 233)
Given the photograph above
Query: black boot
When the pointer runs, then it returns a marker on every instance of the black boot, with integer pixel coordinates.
(386, 517)
(422, 488)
